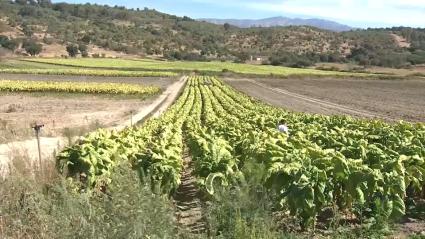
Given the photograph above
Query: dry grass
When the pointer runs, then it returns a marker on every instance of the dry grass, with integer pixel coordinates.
(37, 202)
(9, 133)
(22, 164)
(71, 134)
(20, 183)
(18, 112)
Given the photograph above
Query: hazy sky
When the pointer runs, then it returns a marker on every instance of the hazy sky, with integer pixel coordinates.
(357, 13)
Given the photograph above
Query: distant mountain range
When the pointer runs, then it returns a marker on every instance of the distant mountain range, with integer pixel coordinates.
(147, 32)
(282, 21)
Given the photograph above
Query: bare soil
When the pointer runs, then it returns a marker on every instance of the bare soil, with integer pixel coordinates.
(83, 113)
(402, 72)
(187, 200)
(401, 41)
(386, 99)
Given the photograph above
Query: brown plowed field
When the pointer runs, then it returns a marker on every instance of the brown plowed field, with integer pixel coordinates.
(385, 99)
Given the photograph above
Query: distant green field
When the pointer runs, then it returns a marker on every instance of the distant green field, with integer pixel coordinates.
(34, 67)
(214, 66)
(18, 64)
(90, 72)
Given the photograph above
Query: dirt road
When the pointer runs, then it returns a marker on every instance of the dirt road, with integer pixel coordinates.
(157, 107)
(385, 99)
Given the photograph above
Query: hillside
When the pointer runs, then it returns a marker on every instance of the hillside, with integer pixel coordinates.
(282, 22)
(46, 29)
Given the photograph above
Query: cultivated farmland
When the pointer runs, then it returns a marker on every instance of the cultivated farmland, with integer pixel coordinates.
(26, 102)
(74, 87)
(323, 162)
(39, 68)
(137, 124)
(179, 66)
(217, 153)
(88, 105)
(88, 72)
(390, 100)
(84, 113)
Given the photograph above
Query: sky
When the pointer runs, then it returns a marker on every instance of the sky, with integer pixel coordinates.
(356, 13)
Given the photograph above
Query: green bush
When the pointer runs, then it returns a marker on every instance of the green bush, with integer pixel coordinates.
(293, 60)
(72, 50)
(32, 47)
(10, 44)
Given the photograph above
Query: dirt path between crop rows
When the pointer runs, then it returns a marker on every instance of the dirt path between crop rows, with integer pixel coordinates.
(391, 100)
(51, 145)
(189, 211)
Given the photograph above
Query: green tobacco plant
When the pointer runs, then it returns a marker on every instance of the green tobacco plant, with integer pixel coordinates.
(364, 168)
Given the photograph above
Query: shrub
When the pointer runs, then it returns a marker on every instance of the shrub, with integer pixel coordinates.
(48, 40)
(10, 44)
(3, 52)
(32, 47)
(72, 50)
(82, 47)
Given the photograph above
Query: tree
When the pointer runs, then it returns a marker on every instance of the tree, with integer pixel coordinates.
(28, 11)
(32, 47)
(242, 57)
(72, 50)
(8, 44)
(186, 18)
(226, 26)
(3, 53)
(3, 40)
(21, 2)
(27, 30)
(83, 50)
(44, 3)
(86, 39)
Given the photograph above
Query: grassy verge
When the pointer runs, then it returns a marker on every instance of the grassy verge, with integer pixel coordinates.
(20, 64)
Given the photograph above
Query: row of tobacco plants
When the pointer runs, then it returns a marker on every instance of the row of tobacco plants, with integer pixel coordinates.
(364, 168)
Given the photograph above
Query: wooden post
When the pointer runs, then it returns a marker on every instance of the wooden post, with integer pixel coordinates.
(37, 129)
(131, 119)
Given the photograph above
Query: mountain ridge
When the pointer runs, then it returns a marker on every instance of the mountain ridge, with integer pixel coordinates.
(42, 27)
(282, 21)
